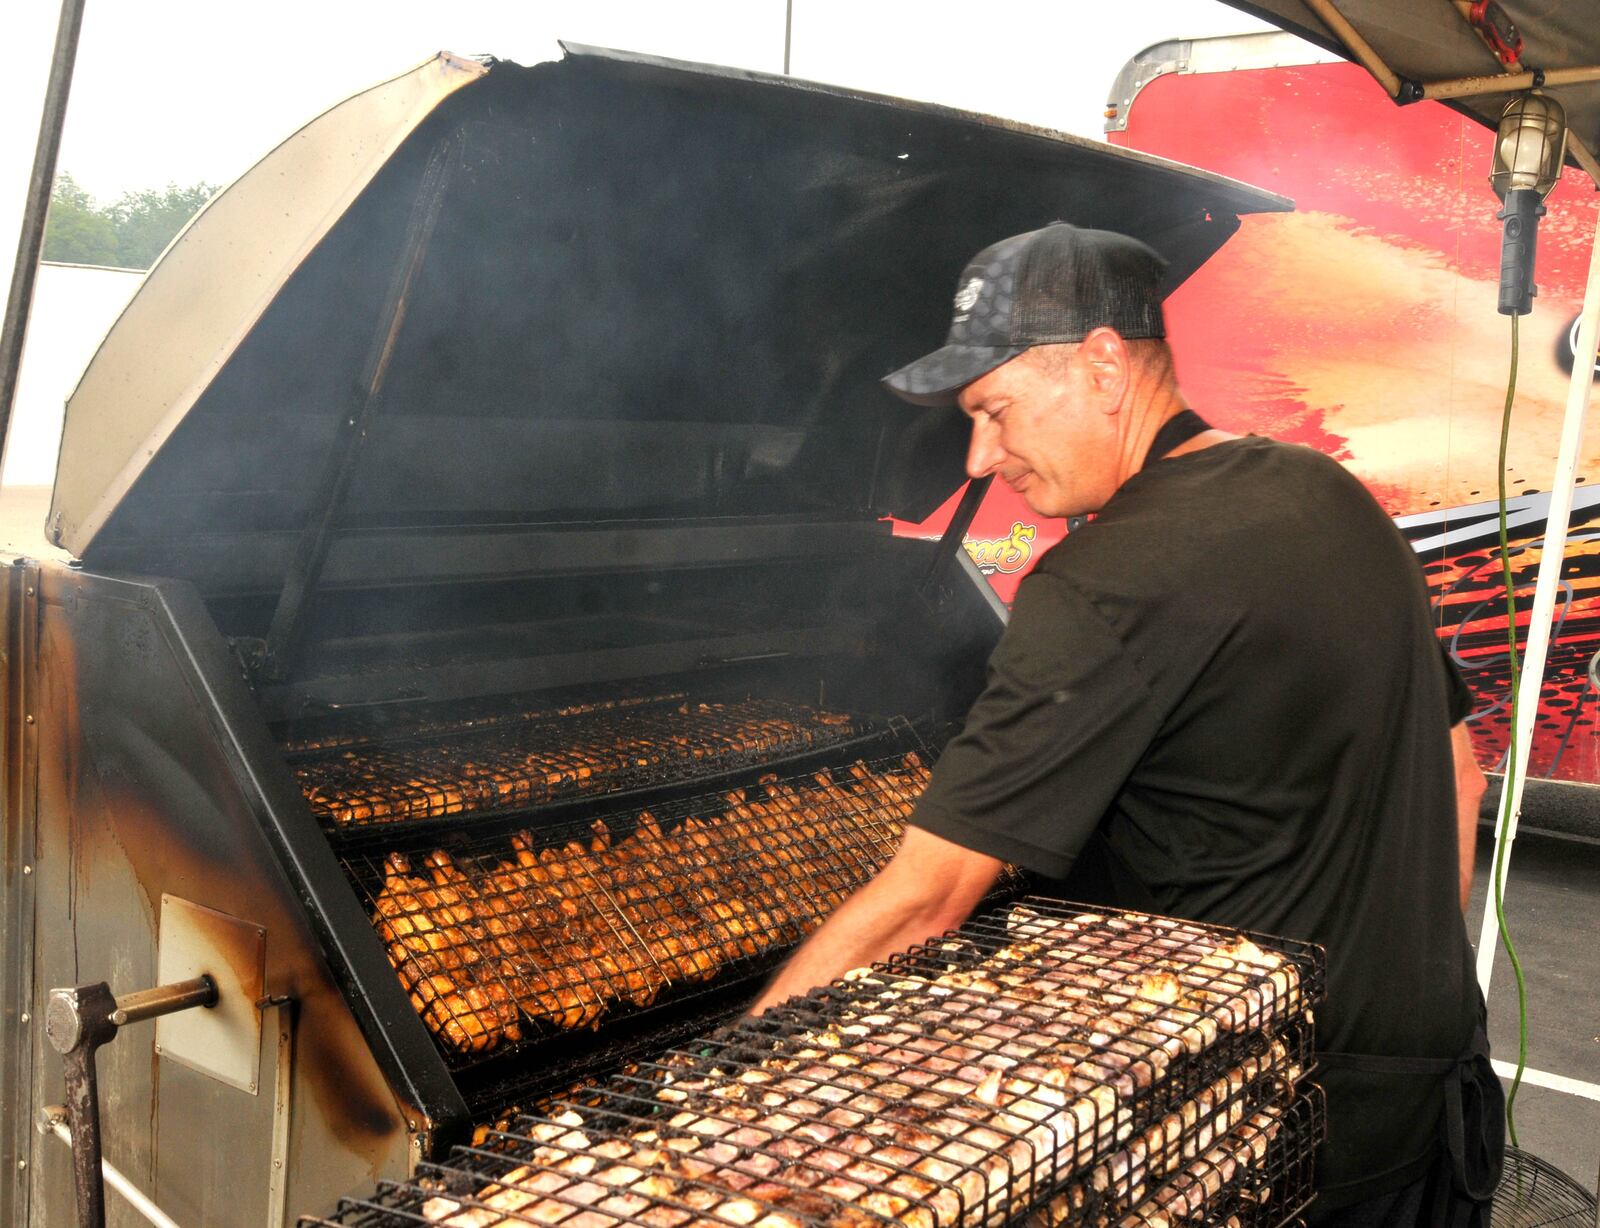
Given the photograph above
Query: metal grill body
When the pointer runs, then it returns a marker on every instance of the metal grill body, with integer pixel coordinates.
(421, 978)
(1042, 1066)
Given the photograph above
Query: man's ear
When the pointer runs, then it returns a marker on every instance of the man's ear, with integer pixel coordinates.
(1106, 361)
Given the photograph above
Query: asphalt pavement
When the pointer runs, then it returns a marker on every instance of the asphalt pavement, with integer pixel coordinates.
(1552, 905)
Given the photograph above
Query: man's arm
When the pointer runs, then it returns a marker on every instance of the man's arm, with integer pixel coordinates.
(1470, 786)
(928, 887)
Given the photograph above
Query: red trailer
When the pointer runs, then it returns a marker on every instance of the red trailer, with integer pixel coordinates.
(1363, 324)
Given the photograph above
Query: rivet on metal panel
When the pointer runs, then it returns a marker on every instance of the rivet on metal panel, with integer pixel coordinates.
(24, 1017)
(29, 590)
(29, 718)
(22, 1164)
(27, 869)
(410, 1125)
(158, 1048)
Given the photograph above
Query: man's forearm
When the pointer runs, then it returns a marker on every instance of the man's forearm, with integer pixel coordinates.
(1470, 786)
(929, 887)
(866, 928)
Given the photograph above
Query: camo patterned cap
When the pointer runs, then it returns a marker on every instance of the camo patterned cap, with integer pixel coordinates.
(1045, 287)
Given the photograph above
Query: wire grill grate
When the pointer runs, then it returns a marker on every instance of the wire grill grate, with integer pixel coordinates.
(1041, 1062)
(531, 759)
(313, 737)
(1258, 1174)
(503, 940)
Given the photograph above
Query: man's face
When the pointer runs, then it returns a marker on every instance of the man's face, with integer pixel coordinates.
(1041, 424)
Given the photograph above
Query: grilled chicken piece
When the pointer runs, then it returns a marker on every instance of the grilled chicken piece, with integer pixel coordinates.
(471, 1020)
(1202, 1180)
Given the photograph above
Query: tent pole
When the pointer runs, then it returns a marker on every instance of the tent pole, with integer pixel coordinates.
(30, 242)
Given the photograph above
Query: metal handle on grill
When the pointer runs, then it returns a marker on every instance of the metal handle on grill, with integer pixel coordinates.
(78, 1021)
(955, 532)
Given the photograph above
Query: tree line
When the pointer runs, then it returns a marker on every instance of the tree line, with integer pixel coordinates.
(129, 233)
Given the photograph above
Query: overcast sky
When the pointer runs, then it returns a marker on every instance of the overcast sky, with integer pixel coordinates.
(187, 90)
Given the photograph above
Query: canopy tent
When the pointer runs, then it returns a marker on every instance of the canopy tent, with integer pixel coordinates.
(1433, 51)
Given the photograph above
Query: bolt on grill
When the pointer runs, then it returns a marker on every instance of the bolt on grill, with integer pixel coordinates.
(1041, 1062)
(505, 940)
(529, 759)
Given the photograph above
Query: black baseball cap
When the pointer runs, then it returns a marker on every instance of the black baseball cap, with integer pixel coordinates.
(1045, 287)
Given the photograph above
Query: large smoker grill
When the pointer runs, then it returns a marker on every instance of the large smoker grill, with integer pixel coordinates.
(483, 651)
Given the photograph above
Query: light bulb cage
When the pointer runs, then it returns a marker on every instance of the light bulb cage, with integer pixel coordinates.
(1530, 145)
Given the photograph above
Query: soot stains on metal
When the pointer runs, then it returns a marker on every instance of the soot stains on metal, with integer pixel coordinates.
(149, 789)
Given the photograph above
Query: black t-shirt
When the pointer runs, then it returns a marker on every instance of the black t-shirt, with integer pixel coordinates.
(1231, 679)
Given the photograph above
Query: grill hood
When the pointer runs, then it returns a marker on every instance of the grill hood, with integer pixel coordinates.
(641, 293)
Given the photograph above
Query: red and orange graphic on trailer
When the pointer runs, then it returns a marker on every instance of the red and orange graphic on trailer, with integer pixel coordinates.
(1364, 324)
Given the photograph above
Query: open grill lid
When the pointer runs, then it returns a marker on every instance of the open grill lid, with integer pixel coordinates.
(482, 297)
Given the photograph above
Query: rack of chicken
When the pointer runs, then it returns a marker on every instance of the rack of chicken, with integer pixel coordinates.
(495, 761)
(552, 931)
(1041, 1067)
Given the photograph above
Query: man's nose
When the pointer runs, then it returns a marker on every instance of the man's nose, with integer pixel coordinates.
(984, 452)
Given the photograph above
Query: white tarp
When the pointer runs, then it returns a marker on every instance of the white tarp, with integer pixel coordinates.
(73, 306)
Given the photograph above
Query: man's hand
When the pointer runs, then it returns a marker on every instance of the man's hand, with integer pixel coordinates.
(1470, 786)
(928, 887)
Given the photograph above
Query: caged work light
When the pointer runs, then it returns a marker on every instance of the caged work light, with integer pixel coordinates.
(1529, 148)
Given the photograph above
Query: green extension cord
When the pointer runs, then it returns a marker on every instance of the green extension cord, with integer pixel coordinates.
(1509, 779)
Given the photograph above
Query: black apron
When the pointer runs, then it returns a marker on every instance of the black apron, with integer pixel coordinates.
(1472, 1125)
(1176, 430)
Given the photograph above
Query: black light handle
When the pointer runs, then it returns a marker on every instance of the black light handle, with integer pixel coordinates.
(1523, 209)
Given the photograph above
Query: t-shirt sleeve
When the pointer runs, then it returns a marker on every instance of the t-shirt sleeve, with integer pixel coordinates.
(1460, 696)
(1061, 723)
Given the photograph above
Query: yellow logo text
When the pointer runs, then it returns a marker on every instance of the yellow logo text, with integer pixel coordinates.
(1003, 554)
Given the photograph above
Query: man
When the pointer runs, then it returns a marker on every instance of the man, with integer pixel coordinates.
(1228, 681)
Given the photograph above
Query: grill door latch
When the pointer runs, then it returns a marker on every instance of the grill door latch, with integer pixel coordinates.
(77, 1022)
